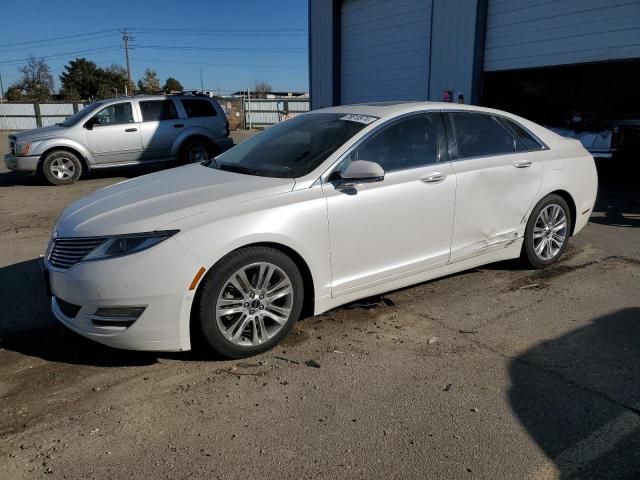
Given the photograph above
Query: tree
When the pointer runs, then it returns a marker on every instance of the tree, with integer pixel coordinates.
(261, 89)
(14, 93)
(149, 83)
(83, 79)
(36, 81)
(172, 85)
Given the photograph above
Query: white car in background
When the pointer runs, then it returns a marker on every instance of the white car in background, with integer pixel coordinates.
(329, 207)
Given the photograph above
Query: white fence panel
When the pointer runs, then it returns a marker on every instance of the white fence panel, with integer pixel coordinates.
(62, 109)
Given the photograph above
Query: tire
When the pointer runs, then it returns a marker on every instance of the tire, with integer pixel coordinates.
(61, 167)
(238, 322)
(547, 233)
(197, 151)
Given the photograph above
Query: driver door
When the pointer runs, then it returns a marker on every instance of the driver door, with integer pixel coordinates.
(113, 134)
(382, 230)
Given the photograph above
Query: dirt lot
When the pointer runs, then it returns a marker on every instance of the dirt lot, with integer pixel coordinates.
(498, 372)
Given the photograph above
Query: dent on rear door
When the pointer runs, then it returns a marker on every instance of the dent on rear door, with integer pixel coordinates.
(493, 199)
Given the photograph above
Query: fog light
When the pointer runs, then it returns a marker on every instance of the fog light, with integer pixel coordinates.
(121, 313)
(122, 317)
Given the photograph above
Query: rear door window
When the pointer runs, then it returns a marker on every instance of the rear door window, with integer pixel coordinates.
(480, 135)
(157, 110)
(198, 108)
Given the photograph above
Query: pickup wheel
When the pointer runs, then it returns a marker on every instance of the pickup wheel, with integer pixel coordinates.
(197, 151)
(61, 167)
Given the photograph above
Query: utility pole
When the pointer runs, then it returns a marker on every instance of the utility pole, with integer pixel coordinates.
(201, 82)
(126, 37)
(4, 117)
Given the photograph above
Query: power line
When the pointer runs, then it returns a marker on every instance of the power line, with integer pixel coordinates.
(223, 49)
(252, 65)
(46, 40)
(63, 42)
(19, 61)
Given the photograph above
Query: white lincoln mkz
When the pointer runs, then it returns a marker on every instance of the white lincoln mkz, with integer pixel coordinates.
(323, 209)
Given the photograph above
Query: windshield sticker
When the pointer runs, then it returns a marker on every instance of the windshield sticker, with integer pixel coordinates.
(366, 119)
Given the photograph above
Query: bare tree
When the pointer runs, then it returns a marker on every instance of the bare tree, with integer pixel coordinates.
(261, 89)
(149, 83)
(37, 81)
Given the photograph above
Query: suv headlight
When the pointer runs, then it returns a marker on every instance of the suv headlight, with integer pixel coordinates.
(120, 245)
(23, 149)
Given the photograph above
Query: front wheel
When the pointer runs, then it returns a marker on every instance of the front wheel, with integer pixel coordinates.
(61, 167)
(547, 232)
(250, 301)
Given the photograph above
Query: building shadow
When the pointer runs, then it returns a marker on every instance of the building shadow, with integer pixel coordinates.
(578, 396)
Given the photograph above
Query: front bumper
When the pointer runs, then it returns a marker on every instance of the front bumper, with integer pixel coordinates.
(157, 279)
(21, 164)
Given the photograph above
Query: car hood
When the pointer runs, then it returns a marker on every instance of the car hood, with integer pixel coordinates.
(40, 133)
(146, 203)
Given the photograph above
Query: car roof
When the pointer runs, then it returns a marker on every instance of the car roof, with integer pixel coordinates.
(384, 109)
(153, 97)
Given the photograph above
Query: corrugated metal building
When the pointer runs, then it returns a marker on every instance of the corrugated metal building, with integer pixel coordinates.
(540, 58)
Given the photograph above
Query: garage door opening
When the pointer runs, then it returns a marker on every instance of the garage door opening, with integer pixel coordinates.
(596, 97)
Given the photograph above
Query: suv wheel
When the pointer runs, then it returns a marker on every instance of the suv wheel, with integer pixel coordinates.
(249, 302)
(61, 167)
(197, 151)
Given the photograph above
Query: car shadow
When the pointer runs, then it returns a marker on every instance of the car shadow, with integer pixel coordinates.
(28, 327)
(578, 396)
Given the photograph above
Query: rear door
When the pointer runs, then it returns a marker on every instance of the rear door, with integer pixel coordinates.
(114, 135)
(159, 127)
(497, 179)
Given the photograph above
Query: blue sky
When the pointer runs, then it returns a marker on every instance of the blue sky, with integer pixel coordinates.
(265, 40)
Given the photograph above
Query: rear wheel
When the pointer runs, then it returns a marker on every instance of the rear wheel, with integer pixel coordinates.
(197, 151)
(61, 167)
(250, 301)
(547, 232)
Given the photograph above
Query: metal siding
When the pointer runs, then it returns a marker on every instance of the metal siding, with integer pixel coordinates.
(321, 59)
(536, 33)
(384, 49)
(453, 48)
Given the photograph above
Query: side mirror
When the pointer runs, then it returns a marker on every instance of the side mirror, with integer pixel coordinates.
(363, 171)
(91, 123)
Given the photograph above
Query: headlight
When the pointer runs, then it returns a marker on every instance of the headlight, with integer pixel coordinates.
(120, 245)
(23, 149)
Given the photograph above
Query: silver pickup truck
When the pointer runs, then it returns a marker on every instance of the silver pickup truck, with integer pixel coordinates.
(122, 131)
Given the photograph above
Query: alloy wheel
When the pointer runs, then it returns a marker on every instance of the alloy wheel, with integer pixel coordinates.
(550, 232)
(254, 304)
(62, 168)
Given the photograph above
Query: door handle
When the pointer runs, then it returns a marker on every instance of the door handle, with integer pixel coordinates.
(434, 178)
(522, 164)
(178, 125)
(130, 129)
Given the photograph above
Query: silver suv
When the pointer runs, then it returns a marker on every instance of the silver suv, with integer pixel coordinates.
(123, 131)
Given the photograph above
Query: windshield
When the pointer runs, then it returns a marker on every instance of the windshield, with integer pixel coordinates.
(293, 148)
(80, 114)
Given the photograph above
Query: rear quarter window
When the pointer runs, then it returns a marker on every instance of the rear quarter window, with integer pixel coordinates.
(525, 142)
(198, 108)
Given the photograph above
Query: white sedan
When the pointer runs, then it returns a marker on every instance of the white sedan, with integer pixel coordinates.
(326, 208)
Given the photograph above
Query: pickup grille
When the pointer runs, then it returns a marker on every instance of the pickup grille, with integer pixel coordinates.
(66, 252)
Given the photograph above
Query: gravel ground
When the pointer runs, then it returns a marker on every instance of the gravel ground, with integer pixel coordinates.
(498, 372)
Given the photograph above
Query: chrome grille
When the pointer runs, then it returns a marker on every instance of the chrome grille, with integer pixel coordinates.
(66, 252)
